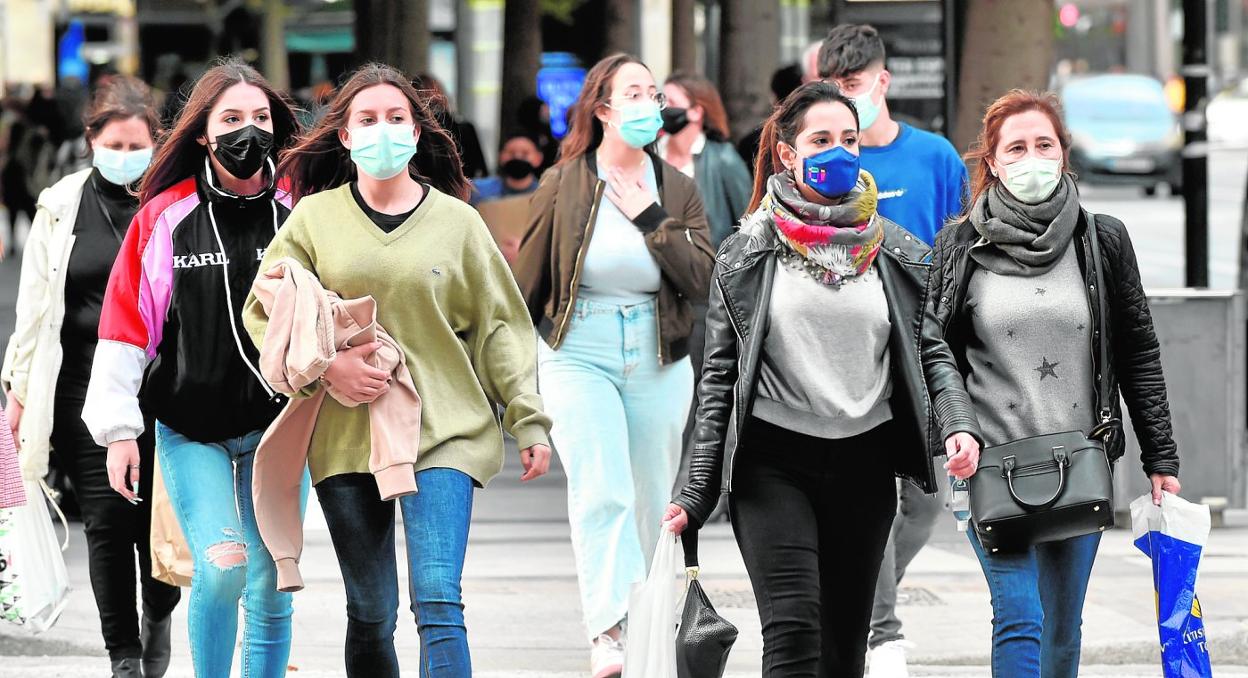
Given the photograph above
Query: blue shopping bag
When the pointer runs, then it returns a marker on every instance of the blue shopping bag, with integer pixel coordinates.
(1172, 536)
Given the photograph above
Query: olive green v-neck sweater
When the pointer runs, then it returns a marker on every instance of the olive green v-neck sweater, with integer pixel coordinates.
(446, 295)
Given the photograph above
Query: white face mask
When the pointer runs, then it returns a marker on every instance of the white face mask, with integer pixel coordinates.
(1032, 180)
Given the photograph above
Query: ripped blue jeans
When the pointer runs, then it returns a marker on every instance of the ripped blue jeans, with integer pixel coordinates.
(209, 486)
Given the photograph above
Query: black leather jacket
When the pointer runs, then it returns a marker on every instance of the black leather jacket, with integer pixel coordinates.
(736, 326)
(1134, 354)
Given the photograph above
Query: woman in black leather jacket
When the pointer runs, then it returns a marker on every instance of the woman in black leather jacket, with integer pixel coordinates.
(1013, 305)
(812, 395)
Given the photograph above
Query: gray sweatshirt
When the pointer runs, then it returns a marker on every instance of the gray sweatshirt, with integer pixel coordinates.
(825, 365)
(1031, 355)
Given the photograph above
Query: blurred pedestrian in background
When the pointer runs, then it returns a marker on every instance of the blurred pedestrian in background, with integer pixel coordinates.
(616, 252)
(520, 164)
(77, 233)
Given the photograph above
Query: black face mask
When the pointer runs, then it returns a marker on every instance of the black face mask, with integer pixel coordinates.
(674, 119)
(517, 169)
(243, 151)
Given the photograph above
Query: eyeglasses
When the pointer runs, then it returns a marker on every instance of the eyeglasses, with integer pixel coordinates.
(658, 98)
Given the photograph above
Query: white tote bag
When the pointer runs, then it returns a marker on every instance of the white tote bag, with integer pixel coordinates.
(651, 648)
(34, 584)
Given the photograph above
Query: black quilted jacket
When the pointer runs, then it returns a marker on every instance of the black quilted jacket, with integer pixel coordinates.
(1134, 354)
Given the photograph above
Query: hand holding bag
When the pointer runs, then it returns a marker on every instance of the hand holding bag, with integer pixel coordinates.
(651, 652)
(1055, 486)
(704, 638)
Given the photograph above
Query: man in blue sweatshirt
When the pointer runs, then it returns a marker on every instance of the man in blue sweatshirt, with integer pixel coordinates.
(922, 184)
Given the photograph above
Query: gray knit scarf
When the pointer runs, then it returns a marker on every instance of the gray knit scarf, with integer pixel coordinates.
(1022, 239)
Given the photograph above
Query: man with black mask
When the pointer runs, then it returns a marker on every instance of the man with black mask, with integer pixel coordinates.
(519, 166)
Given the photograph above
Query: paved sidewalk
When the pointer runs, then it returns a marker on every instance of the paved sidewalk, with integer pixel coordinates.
(524, 614)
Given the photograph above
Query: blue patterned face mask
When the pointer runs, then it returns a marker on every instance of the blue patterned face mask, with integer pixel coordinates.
(382, 150)
(639, 123)
(831, 173)
(121, 167)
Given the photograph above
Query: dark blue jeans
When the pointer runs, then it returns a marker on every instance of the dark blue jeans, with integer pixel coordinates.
(1037, 606)
(435, 524)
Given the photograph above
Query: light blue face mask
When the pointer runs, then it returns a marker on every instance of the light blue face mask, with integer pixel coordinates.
(868, 110)
(121, 167)
(383, 150)
(639, 123)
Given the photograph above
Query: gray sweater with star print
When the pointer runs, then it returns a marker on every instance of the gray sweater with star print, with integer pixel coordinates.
(1031, 355)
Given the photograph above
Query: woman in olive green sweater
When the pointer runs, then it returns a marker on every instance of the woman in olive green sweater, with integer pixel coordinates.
(382, 214)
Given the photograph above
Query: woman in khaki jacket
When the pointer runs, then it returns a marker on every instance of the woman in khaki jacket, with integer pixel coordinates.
(615, 252)
(75, 236)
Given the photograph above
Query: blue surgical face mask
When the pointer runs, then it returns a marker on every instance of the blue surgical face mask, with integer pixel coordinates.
(383, 150)
(831, 173)
(868, 110)
(639, 123)
(121, 167)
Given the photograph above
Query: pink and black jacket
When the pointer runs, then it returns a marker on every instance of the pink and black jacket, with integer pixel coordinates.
(172, 323)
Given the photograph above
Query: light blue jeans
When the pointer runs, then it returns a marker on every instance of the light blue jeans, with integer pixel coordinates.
(618, 421)
(209, 487)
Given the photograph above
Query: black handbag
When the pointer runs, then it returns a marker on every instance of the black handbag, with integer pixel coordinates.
(704, 638)
(1049, 487)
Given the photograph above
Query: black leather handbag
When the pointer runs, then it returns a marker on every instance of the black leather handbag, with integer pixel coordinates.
(704, 638)
(1049, 487)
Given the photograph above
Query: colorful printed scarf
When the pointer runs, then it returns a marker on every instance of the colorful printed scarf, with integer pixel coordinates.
(834, 243)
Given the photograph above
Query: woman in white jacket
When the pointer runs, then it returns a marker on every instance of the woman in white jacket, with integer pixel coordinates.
(76, 234)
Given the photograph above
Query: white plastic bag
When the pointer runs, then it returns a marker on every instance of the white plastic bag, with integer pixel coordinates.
(651, 648)
(34, 584)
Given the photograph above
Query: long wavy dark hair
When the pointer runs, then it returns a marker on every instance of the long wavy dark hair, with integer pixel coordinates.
(318, 161)
(180, 154)
(784, 125)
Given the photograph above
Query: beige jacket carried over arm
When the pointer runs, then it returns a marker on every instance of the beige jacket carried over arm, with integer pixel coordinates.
(307, 326)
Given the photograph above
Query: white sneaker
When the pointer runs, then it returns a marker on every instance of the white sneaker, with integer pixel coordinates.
(606, 660)
(889, 660)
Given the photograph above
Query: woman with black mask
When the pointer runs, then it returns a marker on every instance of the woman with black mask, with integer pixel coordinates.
(210, 206)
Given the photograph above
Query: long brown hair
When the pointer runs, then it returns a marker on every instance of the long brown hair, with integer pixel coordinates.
(702, 93)
(180, 154)
(1014, 102)
(120, 97)
(584, 129)
(319, 161)
(784, 125)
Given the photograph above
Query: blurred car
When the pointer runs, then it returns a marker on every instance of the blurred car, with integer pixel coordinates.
(1123, 132)
(1226, 115)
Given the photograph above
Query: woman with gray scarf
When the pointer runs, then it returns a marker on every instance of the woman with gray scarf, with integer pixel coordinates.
(1013, 303)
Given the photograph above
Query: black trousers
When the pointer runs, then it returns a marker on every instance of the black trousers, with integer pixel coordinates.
(115, 530)
(811, 517)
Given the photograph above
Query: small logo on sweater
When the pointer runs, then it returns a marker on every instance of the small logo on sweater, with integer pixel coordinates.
(885, 195)
(197, 260)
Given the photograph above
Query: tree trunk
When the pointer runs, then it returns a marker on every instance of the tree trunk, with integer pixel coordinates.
(684, 37)
(749, 54)
(1005, 44)
(393, 32)
(620, 17)
(409, 36)
(522, 54)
